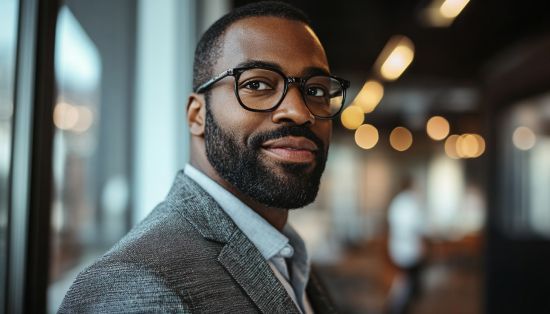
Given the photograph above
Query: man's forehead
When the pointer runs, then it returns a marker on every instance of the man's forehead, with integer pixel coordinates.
(292, 45)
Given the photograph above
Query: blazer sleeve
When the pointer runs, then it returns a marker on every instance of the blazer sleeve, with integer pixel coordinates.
(122, 288)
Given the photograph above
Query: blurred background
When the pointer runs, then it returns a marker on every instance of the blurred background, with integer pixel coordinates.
(436, 194)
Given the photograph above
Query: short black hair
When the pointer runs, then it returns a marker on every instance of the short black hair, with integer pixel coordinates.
(209, 47)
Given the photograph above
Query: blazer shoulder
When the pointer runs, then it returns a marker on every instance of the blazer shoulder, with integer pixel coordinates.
(167, 258)
(118, 287)
(136, 274)
(165, 236)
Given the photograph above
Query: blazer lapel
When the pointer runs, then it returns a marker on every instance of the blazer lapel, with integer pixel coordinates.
(317, 295)
(239, 256)
(248, 267)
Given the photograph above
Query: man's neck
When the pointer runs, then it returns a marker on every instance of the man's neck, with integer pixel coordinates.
(277, 217)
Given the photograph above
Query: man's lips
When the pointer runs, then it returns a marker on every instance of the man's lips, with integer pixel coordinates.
(291, 149)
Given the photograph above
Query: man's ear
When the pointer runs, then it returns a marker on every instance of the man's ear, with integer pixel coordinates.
(196, 114)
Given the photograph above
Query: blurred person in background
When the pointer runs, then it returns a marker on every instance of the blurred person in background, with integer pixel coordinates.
(406, 246)
(260, 124)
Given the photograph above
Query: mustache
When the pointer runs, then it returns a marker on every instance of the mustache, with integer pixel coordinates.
(257, 140)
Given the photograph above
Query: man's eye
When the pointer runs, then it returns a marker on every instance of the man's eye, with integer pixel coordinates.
(316, 91)
(257, 85)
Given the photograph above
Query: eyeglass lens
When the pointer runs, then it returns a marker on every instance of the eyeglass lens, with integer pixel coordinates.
(262, 89)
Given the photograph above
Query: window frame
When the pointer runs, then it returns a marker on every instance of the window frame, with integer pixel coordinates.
(30, 181)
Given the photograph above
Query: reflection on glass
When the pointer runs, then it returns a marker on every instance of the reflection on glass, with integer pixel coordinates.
(74, 209)
(524, 138)
(95, 75)
(525, 151)
(8, 42)
(539, 198)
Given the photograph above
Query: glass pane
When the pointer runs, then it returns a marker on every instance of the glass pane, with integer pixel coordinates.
(123, 70)
(525, 150)
(8, 43)
(90, 169)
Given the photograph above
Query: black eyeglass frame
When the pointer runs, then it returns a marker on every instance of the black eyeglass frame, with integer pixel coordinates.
(288, 80)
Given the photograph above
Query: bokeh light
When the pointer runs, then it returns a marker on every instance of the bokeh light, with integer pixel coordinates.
(481, 145)
(524, 138)
(65, 116)
(366, 136)
(352, 117)
(437, 128)
(396, 56)
(72, 118)
(467, 146)
(452, 8)
(401, 139)
(450, 146)
(369, 96)
(85, 119)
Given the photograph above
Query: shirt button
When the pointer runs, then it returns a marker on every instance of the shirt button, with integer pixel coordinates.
(287, 251)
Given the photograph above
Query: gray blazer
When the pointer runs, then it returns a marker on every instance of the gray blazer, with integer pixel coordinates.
(187, 256)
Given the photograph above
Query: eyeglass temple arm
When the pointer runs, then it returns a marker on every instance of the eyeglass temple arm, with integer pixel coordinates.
(345, 83)
(212, 81)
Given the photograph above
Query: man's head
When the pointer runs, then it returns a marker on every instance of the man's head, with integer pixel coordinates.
(210, 45)
(273, 156)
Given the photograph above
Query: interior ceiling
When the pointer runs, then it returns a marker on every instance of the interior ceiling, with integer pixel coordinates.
(447, 72)
(354, 33)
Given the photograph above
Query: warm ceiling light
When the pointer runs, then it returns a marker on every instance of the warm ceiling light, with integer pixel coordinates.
(452, 8)
(450, 146)
(467, 146)
(442, 13)
(396, 56)
(352, 117)
(369, 96)
(401, 139)
(524, 138)
(437, 128)
(366, 136)
(481, 145)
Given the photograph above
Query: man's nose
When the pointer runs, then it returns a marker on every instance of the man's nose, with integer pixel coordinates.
(293, 109)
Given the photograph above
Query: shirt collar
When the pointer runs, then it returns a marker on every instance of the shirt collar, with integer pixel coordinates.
(268, 240)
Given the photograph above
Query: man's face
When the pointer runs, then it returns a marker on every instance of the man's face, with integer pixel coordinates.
(276, 158)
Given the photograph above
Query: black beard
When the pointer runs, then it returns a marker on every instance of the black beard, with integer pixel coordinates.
(242, 166)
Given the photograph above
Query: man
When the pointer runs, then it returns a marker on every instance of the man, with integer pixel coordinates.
(406, 248)
(260, 124)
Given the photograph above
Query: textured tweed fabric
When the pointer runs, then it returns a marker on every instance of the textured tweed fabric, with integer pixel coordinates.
(187, 256)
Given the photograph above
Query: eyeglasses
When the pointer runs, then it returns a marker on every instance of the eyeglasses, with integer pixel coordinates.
(262, 89)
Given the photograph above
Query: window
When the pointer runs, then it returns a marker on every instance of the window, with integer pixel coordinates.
(524, 148)
(8, 42)
(123, 71)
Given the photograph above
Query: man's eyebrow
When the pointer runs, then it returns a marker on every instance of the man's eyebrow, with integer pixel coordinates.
(272, 65)
(315, 71)
(258, 63)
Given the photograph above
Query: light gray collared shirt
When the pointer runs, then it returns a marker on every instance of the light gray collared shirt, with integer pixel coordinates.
(272, 244)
